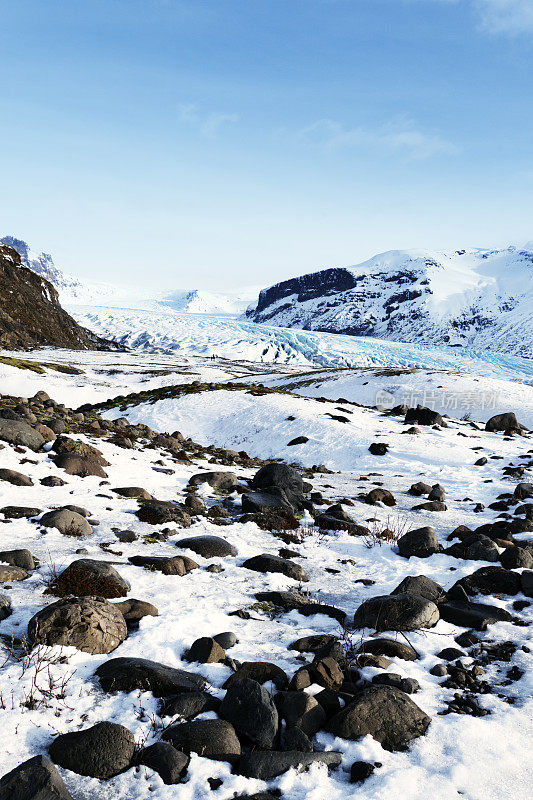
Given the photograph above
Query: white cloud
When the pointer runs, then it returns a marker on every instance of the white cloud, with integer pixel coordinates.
(398, 136)
(208, 124)
(506, 16)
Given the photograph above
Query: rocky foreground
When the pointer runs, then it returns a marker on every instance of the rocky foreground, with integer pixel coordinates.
(136, 651)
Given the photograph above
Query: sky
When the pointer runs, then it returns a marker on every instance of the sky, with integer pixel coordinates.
(219, 144)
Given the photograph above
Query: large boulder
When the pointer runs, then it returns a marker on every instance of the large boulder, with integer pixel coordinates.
(386, 713)
(400, 612)
(102, 751)
(9, 573)
(81, 466)
(423, 416)
(18, 558)
(420, 585)
(87, 577)
(487, 580)
(128, 674)
(503, 422)
(261, 672)
(164, 759)
(90, 624)
(134, 610)
(208, 546)
(264, 502)
(210, 738)
(269, 563)
(475, 547)
(35, 779)
(68, 522)
(523, 491)
(158, 512)
(15, 478)
(221, 481)
(300, 710)
(168, 565)
(420, 543)
(251, 710)
(281, 476)
(66, 445)
(20, 433)
(5, 607)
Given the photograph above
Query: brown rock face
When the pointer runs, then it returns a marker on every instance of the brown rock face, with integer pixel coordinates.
(90, 624)
(30, 313)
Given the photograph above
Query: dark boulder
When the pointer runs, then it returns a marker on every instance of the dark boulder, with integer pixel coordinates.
(208, 546)
(400, 612)
(422, 586)
(91, 624)
(423, 416)
(421, 543)
(266, 765)
(163, 758)
(128, 674)
(210, 738)
(251, 710)
(87, 577)
(103, 751)
(269, 563)
(35, 779)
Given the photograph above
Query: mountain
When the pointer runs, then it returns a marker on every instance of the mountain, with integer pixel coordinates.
(73, 292)
(30, 313)
(479, 298)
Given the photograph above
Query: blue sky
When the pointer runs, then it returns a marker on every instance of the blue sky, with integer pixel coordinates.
(226, 143)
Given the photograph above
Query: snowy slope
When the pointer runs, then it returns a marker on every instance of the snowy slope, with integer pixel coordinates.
(481, 298)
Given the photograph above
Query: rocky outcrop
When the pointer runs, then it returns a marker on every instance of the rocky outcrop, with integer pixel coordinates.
(30, 313)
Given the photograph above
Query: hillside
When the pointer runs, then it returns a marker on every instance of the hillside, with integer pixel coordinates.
(30, 313)
(479, 298)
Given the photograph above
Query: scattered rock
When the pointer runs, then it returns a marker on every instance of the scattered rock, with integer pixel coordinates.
(208, 546)
(266, 765)
(269, 563)
(67, 522)
(103, 751)
(251, 710)
(128, 674)
(210, 738)
(88, 577)
(90, 624)
(421, 543)
(15, 478)
(221, 481)
(35, 779)
(164, 759)
(400, 612)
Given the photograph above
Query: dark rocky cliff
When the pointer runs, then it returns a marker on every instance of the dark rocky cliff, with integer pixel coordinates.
(30, 313)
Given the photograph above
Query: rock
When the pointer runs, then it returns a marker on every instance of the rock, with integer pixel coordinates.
(126, 537)
(89, 577)
(406, 685)
(300, 710)
(134, 610)
(259, 671)
(64, 445)
(380, 496)
(423, 416)
(128, 674)
(420, 488)
(5, 607)
(221, 481)
(437, 492)
(431, 505)
(421, 542)
(266, 765)
(290, 601)
(327, 672)
(52, 480)
(189, 704)
(283, 477)
(512, 558)
(158, 512)
(488, 580)
(360, 771)
(451, 654)
(400, 612)
(474, 547)
(523, 491)
(9, 573)
(102, 751)
(387, 714)
(35, 779)
(78, 465)
(298, 440)
(205, 651)
(472, 615)
(526, 582)
(266, 502)
(90, 624)
(269, 563)
(312, 644)
(18, 558)
(164, 759)
(15, 478)
(226, 640)
(208, 546)
(378, 448)
(481, 461)
(296, 739)
(390, 648)
(168, 565)
(503, 422)
(46, 432)
(420, 585)
(251, 710)
(67, 522)
(133, 491)
(210, 738)
(20, 433)
(20, 512)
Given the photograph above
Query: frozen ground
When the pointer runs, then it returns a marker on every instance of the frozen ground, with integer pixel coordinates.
(460, 757)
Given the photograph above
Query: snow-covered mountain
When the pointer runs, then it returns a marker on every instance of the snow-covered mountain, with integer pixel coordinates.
(73, 292)
(480, 298)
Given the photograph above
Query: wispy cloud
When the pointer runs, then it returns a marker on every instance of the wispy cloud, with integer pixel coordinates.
(207, 123)
(397, 136)
(506, 16)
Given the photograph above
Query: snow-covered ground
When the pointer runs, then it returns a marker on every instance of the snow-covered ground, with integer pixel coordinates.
(459, 757)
